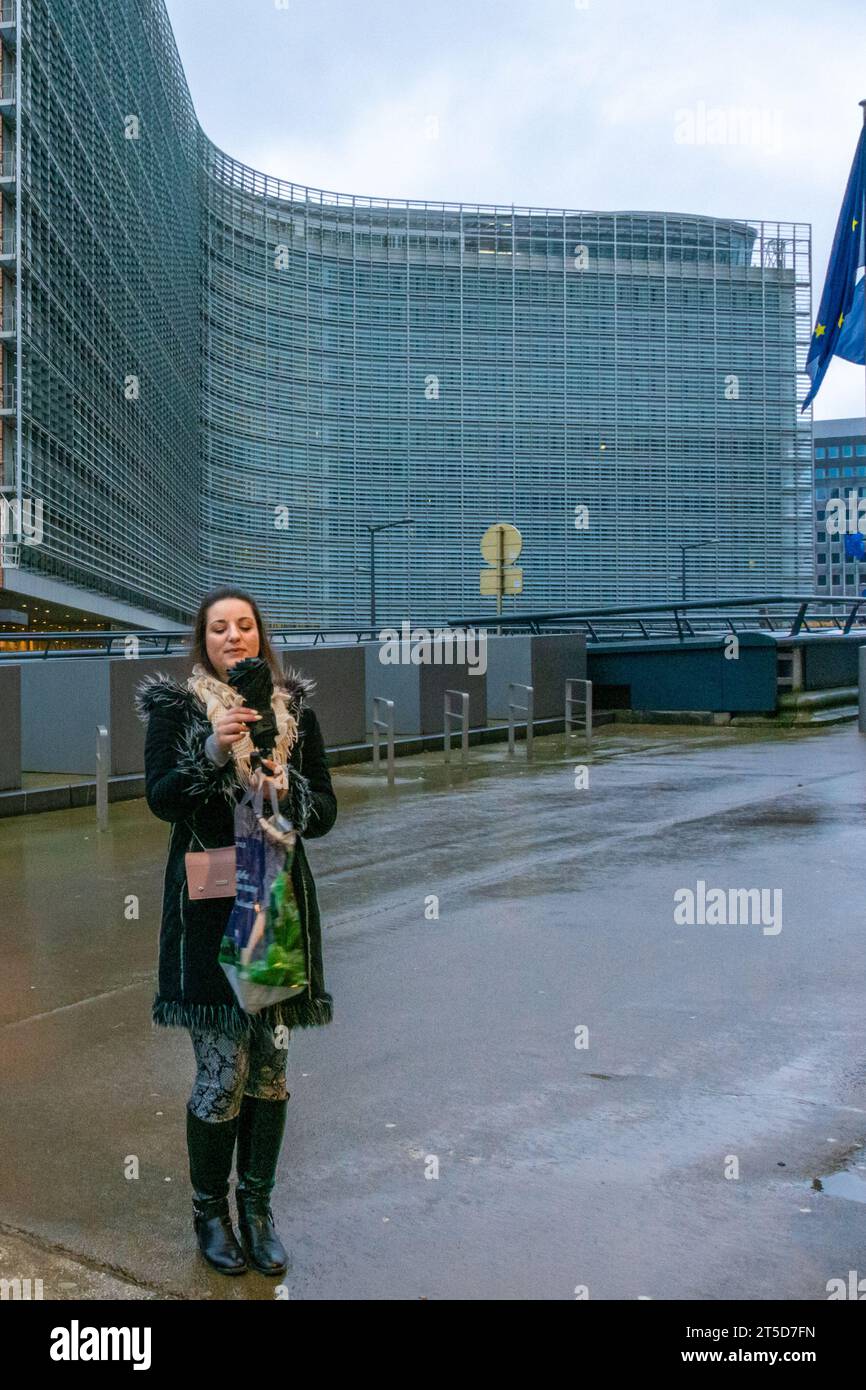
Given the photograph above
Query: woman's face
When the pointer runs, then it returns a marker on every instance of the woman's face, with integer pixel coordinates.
(231, 634)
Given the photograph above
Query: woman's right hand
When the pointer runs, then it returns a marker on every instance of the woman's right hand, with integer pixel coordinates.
(232, 725)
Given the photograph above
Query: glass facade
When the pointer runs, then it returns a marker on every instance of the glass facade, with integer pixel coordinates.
(840, 471)
(231, 377)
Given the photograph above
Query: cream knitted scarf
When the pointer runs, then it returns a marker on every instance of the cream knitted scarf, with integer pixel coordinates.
(217, 697)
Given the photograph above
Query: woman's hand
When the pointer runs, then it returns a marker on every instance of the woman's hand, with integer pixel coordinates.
(279, 778)
(232, 725)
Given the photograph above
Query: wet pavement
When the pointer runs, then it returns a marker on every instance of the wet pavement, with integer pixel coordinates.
(706, 1142)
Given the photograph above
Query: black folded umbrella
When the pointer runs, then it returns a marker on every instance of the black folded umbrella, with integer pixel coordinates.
(252, 679)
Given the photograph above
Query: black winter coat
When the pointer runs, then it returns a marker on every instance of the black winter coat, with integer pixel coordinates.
(186, 789)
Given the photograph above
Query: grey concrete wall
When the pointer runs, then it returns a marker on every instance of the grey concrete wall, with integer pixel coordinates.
(340, 695)
(126, 729)
(402, 684)
(544, 662)
(10, 722)
(508, 659)
(62, 702)
(435, 680)
(556, 658)
(830, 660)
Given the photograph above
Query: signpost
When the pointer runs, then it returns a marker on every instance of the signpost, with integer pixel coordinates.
(500, 545)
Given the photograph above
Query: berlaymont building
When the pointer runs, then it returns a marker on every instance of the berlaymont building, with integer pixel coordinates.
(210, 374)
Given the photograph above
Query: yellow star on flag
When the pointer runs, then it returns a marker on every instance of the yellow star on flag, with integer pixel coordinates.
(841, 320)
(820, 330)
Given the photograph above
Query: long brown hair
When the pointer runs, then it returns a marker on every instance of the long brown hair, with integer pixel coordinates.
(198, 647)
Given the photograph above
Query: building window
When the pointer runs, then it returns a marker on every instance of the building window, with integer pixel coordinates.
(847, 451)
(861, 451)
(832, 472)
(833, 451)
(847, 472)
(819, 472)
(820, 454)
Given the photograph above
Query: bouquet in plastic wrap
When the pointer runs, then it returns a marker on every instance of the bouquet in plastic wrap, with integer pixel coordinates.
(262, 950)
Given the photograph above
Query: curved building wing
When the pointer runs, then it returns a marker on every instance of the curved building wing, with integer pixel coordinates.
(215, 375)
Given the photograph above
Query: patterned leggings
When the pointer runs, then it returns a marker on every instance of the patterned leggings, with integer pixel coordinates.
(229, 1068)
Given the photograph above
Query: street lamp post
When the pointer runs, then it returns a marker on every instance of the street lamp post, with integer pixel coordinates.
(683, 546)
(373, 528)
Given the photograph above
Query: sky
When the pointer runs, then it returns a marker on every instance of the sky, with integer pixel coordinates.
(718, 107)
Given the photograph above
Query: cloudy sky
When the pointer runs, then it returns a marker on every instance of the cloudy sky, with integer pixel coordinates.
(709, 106)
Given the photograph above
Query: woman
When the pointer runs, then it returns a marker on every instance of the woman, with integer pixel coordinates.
(197, 764)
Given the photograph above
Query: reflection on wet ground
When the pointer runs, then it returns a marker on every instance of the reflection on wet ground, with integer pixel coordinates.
(513, 996)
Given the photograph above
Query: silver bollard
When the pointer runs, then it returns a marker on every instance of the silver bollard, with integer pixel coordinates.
(102, 762)
(385, 726)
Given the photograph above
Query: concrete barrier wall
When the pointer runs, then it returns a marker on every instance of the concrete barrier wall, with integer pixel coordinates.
(544, 662)
(340, 695)
(556, 659)
(508, 659)
(10, 719)
(126, 729)
(61, 704)
(830, 661)
(399, 683)
(435, 680)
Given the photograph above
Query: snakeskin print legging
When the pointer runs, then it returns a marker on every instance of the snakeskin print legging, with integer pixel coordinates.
(228, 1068)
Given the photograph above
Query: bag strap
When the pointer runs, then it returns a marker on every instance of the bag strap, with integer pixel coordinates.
(194, 836)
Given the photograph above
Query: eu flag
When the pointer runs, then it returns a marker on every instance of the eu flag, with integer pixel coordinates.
(839, 331)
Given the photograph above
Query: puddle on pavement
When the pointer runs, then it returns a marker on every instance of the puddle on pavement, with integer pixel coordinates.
(849, 1182)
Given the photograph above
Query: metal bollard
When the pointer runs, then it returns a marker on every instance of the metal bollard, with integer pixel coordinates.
(463, 715)
(385, 726)
(102, 761)
(527, 710)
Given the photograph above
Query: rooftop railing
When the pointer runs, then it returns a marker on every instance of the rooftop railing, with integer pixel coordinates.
(781, 615)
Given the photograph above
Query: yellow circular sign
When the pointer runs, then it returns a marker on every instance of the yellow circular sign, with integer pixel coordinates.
(501, 541)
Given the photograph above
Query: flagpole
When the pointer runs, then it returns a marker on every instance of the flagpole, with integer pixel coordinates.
(863, 106)
(863, 214)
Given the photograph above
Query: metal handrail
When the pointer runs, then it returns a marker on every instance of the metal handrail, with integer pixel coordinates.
(463, 715)
(682, 618)
(649, 622)
(586, 704)
(527, 709)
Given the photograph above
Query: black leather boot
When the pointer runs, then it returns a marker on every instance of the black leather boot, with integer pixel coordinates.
(210, 1144)
(260, 1137)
